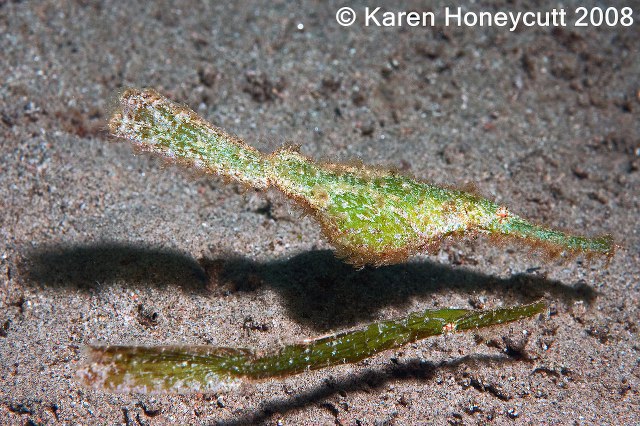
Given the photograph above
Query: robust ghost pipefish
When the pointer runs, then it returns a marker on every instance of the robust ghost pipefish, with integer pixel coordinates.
(370, 215)
(206, 368)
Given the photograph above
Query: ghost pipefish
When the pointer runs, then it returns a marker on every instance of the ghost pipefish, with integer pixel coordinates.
(205, 368)
(370, 215)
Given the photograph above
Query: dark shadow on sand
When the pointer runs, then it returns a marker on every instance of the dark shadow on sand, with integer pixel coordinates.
(93, 266)
(325, 293)
(369, 380)
(318, 289)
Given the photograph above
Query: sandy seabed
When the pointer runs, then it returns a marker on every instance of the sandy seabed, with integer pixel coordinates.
(101, 245)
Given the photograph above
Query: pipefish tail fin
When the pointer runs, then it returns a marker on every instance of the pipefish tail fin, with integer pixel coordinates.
(151, 369)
